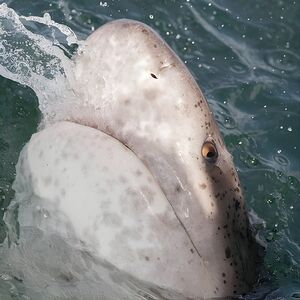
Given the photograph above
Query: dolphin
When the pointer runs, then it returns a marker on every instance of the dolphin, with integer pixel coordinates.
(139, 174)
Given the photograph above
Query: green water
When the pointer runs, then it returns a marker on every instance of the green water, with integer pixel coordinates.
(245, 56)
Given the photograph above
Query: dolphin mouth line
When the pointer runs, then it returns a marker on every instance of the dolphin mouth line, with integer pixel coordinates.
(157, 182)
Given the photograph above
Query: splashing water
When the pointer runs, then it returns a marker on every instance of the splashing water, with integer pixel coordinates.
(38, 62)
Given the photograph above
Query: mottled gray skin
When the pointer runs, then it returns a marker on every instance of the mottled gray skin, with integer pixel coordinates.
(148, 100)
(155, 209)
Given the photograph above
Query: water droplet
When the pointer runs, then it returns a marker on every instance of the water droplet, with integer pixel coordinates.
(47, 17)
(5, 277)
(270, 237)
(103, 4)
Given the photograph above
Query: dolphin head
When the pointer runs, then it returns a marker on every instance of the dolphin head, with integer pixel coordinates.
(145, 97)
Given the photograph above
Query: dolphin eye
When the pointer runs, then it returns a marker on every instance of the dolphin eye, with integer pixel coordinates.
(209, 152)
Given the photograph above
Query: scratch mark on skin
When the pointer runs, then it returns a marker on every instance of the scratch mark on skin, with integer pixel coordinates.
(163, 67)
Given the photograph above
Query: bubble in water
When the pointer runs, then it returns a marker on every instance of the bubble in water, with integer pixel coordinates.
(281, 159)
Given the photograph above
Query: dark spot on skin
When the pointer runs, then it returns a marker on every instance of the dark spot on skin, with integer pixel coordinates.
(155, 46)
(41, 154)
(127, 102)
(237, 205)
(178, 188)
(223, 274)
(227, 252)
(123, 179)
(17, 278)
(242, 236)
(147, 258)
(67, 276)
(224, 281)
(153, 76)
(138, 173)
(202, 186)
(192, 250)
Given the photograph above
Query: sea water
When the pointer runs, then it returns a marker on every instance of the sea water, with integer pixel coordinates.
(245, 57)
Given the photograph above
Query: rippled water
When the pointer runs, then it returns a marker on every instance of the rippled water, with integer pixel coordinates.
(245, 56)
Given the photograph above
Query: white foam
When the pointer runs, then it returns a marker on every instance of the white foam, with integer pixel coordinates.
(36, 61)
